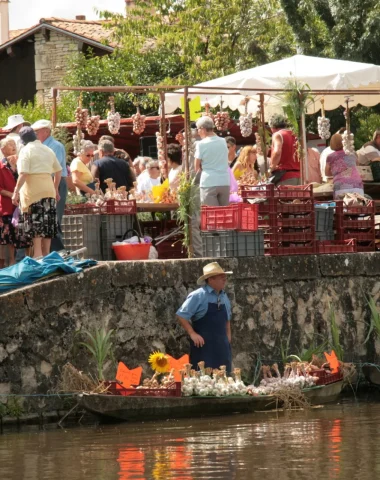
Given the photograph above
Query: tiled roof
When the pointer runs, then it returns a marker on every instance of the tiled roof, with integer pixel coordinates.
(90, 29)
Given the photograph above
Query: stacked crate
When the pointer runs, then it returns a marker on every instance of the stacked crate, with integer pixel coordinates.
(356, 222)
(286, 216)
(80, 231)
(231, 231)
(325, 234)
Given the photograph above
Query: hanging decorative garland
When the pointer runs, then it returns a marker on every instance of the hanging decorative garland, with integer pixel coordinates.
(323, 123)
(138, 122)
(113, 118)
(81, 116)
(160, 146)
(221, 119)
(245, 120)
(93, 122)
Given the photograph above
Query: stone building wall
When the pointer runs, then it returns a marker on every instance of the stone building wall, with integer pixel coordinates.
(51, 62)
(271, 297)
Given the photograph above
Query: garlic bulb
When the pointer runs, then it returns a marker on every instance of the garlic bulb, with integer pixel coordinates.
(246, 124)
(113, 120)
(92, 125)
(160, 147)
(324, 128)
(222, 120)
(348, 143)
(138, 123)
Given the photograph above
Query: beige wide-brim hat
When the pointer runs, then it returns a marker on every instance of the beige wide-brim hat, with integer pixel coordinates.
(41, 124)
(14, 121)
(210, 270)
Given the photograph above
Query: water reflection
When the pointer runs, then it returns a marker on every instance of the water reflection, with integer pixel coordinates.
(333, 443)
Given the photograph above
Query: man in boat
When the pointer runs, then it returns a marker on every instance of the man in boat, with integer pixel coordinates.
(205, 315)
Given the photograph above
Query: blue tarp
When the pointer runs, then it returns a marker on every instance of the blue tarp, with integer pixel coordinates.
(29, 270)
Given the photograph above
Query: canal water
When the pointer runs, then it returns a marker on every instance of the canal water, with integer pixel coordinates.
(335, 442)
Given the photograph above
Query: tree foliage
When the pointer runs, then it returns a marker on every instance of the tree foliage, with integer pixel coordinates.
(206, 38)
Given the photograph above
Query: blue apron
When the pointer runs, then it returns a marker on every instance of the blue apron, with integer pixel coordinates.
(217, 349)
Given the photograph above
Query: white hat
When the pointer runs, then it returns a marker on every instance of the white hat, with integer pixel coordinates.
(14, 121)
(41, 124)
(210, 270)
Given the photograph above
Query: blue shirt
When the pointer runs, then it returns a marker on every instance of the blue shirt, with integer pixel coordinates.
(213, 152)
(60, 152)
(196, 304)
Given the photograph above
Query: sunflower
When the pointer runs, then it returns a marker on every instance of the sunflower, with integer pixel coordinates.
(159, 362)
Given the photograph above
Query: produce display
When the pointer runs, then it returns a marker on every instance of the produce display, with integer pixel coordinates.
(165, 382)
(81, 117)
(296, 375)
(324, 128)
(207, 112)
(222, 120)
(211, 382)
(138, 123)
(92, 125)
(160, 147)
(348, 143)
(248, 178)
(77, 141)
(180, 138)
(113, 118)
(246, 124)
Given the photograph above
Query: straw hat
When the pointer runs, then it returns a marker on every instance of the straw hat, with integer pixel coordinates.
(14, 121)
(210, 270)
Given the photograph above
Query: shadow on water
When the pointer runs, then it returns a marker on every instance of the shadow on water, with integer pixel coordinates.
(334, 442)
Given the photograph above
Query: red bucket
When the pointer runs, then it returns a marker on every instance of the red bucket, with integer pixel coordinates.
(132, 251)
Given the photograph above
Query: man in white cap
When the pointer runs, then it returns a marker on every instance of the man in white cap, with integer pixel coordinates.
(15, 124)
(42, 129)
(209, 311)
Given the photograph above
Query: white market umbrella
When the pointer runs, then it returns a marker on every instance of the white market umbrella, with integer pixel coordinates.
(320, 74)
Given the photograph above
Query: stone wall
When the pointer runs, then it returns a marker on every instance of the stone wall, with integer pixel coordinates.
(51, 62)
(271, 297)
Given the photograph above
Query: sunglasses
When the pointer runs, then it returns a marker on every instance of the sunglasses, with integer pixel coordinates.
(89, 155)
(152, 168)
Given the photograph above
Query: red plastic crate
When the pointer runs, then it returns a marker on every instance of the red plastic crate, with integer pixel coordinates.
(293, 192)
(337, 246)
(248, 217)
(115, 388)
(121, 207)
(368, 209)
(307, 249)
(219, 218)
(258, 191)
(84, 209)
(363, 247)
(302, 236)
(366, 235)
(325, 378)
(294, 208)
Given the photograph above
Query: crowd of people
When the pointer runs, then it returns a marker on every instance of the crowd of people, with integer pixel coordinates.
(35, 177)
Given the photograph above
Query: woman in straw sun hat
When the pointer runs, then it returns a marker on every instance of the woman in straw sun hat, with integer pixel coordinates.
(205, 315)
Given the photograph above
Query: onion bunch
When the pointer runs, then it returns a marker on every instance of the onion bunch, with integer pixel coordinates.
(77, 141)
(324, 128)
(348, 143)
(246, 124)
(138, 123)
(160, 146)
(93, 125)
(222, 120)
(81, 117)
(207, 112)
(180, 138)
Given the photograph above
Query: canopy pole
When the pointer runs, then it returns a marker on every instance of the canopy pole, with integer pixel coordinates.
(305, 168)
(187, 130)
(163, 131)
(54, 108)
(264, 140)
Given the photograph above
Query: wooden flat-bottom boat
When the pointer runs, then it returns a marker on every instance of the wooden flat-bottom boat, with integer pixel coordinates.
(134, 408)
(372, 374)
